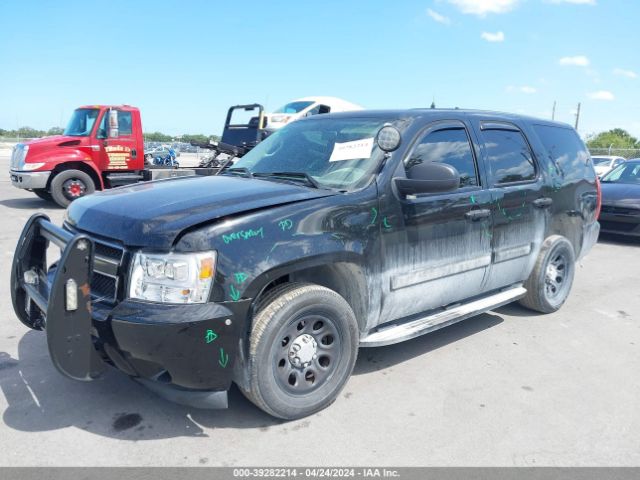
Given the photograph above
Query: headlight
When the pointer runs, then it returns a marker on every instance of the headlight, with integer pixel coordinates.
(172, 277)
(31, 166)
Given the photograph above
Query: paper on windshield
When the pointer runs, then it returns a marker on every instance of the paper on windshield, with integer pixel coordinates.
(352, 150)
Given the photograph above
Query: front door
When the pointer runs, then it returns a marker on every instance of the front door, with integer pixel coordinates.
(117, 153)
(437, 249)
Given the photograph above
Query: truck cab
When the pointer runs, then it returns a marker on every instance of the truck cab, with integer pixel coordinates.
(335, 233)
(101, 147)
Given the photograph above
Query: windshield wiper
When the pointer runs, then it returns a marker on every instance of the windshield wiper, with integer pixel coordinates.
(244, 171)
(305, 177)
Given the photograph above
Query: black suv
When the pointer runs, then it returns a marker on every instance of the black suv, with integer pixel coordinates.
(337, 232)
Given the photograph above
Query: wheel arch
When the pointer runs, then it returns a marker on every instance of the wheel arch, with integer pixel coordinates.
(341, 272)
(85, 167)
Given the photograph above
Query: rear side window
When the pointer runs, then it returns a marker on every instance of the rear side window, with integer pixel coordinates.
(450, 146)
(124, 123)
(509, 156)
(566, 152)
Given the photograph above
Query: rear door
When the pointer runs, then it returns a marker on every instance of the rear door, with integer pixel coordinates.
(518, 208)
(437, 248)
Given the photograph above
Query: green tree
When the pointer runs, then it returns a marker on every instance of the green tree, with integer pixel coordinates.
(157, 137)
(616, 138)
(55, 131)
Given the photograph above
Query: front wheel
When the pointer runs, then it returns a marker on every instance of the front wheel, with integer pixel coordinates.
(549, 284)
(303, 346)
(70, 185)
(43, 194)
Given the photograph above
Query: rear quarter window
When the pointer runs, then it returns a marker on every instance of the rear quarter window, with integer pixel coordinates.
(567, 152)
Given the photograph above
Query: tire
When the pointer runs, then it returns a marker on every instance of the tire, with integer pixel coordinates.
(550, 282)
(43, 194)
(303, 346)
(70, 185)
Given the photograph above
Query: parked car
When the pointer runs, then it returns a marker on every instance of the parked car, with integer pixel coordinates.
(162, 155)
(305, 107)
(605, 163)
(335, 233)
(621, 199)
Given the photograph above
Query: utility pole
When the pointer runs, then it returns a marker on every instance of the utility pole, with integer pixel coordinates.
(577, 116)
(553, 112)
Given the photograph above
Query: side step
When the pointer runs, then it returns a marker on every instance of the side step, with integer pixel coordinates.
(121, 179)
(414, 328)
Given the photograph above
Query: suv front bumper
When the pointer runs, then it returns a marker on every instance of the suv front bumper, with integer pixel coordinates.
(179, 351)
(29, 180)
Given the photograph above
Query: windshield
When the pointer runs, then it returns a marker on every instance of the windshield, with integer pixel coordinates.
(335, 153)
(294, 107)
(625, 173)
(601, 161)
(81, 122)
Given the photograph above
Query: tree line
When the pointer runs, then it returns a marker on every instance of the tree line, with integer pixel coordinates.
(28, 132)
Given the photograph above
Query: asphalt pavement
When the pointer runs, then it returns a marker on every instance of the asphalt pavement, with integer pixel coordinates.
(507, 388)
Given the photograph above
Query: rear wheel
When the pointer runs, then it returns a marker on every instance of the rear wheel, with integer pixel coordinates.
(43, 194)
(549, 284)
(303, 347)
(70, 185)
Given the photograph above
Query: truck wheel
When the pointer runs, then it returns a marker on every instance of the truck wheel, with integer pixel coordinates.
(69, 185)
(304, 344)
(43, 194)
(549, 284)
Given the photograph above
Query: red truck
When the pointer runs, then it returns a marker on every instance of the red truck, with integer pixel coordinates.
(102, 147)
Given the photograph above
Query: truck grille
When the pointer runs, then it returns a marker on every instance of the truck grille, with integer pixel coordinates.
(108, 259)
(17, 155)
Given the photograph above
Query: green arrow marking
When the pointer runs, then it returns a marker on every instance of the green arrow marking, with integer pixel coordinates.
(224, 359)
(235, 294)
(385, 223)
(210, 336)
(473, 199)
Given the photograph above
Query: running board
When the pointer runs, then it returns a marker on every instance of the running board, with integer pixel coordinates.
(414, 328)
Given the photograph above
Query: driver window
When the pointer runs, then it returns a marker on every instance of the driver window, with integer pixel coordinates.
(102, 128)
(450, 146)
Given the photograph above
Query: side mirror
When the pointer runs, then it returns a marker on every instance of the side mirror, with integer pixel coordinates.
(112, 130)
(429, 177)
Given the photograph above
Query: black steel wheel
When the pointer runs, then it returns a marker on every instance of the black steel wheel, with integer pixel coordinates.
(550, 282)
(303, 347)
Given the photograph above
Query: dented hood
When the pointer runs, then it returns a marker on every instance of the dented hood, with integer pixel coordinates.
(153, 214)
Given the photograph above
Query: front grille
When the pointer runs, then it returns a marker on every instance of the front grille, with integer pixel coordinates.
(17, 156)
(620, 210)
(107, 263)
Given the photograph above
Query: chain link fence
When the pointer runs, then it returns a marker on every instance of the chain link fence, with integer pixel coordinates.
(618, 152)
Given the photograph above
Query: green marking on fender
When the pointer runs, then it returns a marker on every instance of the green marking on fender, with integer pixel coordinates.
(243, 234)
(224, 359)
(473, 199)
(210, 336)
(240, 277)
(374, 213)
(385, 223)
(235, 294)
(285, 224)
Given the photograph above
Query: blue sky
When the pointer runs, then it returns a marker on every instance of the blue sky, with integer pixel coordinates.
(183, 63)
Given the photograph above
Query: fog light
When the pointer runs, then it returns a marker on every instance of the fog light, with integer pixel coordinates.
(71, 295)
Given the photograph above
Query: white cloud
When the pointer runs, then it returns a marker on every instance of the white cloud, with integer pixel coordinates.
(492, 37)
(577, 61)
(523, 89)
(438, 17)
(601, 95)
(624, 73)
(575, 2)
(482, 7)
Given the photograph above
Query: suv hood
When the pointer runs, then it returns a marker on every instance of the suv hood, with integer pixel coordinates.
(153, 214)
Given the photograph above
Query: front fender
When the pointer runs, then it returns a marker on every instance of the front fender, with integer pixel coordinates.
(53, 160)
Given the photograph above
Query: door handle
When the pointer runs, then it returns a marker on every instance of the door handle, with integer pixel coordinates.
(474, 215)
(542, 202)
